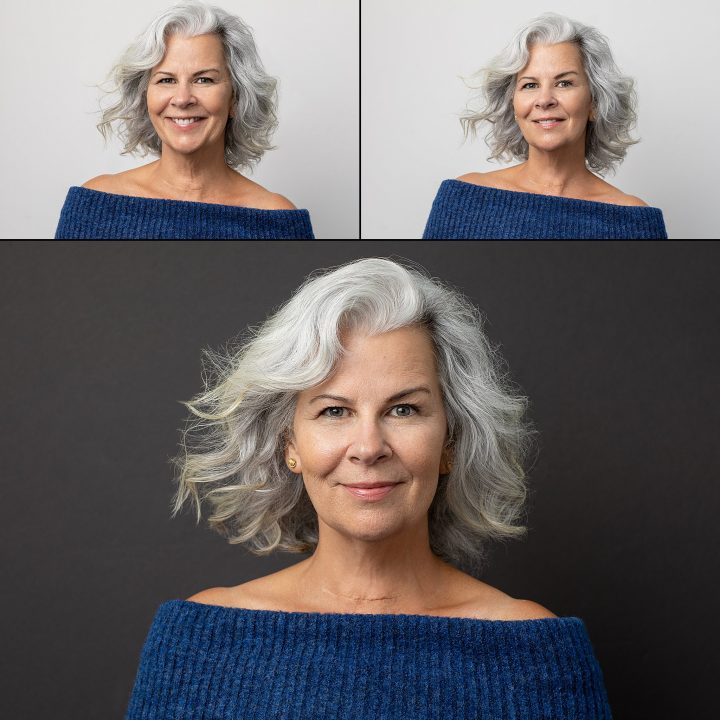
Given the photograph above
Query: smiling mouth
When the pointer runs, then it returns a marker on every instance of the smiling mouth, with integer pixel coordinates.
(185, 122)
(548, 122)
(371, 491)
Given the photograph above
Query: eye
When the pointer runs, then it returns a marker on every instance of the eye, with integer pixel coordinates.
(204, 79)
(404, 410)
(165, 81)
(527, 85)
(565, 83)
(334, 411)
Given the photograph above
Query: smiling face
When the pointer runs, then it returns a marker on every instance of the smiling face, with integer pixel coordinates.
(189, 97)
(369, 440)
(552, 99)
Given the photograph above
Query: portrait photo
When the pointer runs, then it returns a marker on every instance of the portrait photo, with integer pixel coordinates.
(288, 119)
(317, 481)
(446, 120)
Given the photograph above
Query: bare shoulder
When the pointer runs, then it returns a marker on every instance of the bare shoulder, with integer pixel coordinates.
(274, 201)
(525, 610)
(632, 200)
(495, 178)
(476, 599)
(610, 194)
(103, 183)
(252, 194)
(211, 596)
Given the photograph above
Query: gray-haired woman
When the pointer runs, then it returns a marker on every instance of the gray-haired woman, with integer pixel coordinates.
(368, 424)
(554, 99)
(192, 90)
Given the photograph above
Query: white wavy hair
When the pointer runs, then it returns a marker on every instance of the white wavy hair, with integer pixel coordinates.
(613, 94)
(247, 135)
(233, 447)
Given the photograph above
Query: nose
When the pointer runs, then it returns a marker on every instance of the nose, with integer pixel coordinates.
(545, 98)
(368, 443)
(183, 95)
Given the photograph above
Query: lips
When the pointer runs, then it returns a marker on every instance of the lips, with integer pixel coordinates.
(371, 491)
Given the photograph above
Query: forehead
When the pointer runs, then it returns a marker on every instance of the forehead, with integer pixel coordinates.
(380, 364)
(558, 57)
(198, 50)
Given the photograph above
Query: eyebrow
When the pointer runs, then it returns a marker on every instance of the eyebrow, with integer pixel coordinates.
(557, 77)
(199, 72)
(392, 398)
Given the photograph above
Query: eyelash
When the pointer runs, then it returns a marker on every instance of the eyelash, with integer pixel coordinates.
(324, 411)
(161, 81)
(569, 82)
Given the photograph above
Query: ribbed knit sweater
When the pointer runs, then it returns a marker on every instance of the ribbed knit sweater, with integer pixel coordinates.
(463, 211)
(206, 661)
(94, 214)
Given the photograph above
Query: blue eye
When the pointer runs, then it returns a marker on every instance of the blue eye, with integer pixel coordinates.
(565, 83)
(404, 410)
(209, 80)
(333, 411)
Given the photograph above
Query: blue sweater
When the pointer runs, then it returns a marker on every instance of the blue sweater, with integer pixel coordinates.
(206, 661)
(94, 214)
(463, 211)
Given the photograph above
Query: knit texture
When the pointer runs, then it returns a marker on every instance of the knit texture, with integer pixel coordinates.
(94, 214)
(205, 661)
(463, 211)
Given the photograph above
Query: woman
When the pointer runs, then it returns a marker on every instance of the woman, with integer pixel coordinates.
(192, 90)
(555, 100)
(365, 423)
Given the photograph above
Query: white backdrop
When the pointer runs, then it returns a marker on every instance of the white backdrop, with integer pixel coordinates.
(414, 53)
(55, 52)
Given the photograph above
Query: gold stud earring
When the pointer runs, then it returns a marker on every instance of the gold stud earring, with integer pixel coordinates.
(292, 463)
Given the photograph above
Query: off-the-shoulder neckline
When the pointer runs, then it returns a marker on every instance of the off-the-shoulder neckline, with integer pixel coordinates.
(292, 614)
(551, 197)
(186, 202)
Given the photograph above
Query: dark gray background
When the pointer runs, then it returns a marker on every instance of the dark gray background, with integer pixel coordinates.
(616, 345)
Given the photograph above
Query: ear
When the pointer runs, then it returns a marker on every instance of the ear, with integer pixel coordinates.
(446, 464)
(292, 456)
(592, 115)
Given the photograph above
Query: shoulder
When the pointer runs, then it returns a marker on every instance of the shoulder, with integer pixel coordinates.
(495, 179)
(212, 596)
(632, 200)
(252, 194)
(274, 201)
(524, 610)
(103, 183)
(610, 194)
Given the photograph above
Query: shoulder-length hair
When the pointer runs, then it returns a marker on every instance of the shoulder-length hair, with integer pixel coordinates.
(247, 135)
(613, 94)
(233, 447)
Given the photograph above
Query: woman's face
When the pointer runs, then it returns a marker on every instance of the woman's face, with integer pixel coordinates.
(369, 440)
(552, 100)
(189, 97)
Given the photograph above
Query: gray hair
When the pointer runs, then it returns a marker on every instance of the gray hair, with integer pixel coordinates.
(613, 94)
(233, 446)
(247, 135)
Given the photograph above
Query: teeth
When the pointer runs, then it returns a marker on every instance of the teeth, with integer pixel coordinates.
(184, 121)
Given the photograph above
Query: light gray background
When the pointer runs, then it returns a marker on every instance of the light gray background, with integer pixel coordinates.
(414, 53)
(55, 52)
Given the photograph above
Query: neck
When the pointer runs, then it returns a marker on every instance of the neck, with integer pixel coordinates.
(559, 172)
(395, 575)
(196, 177)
